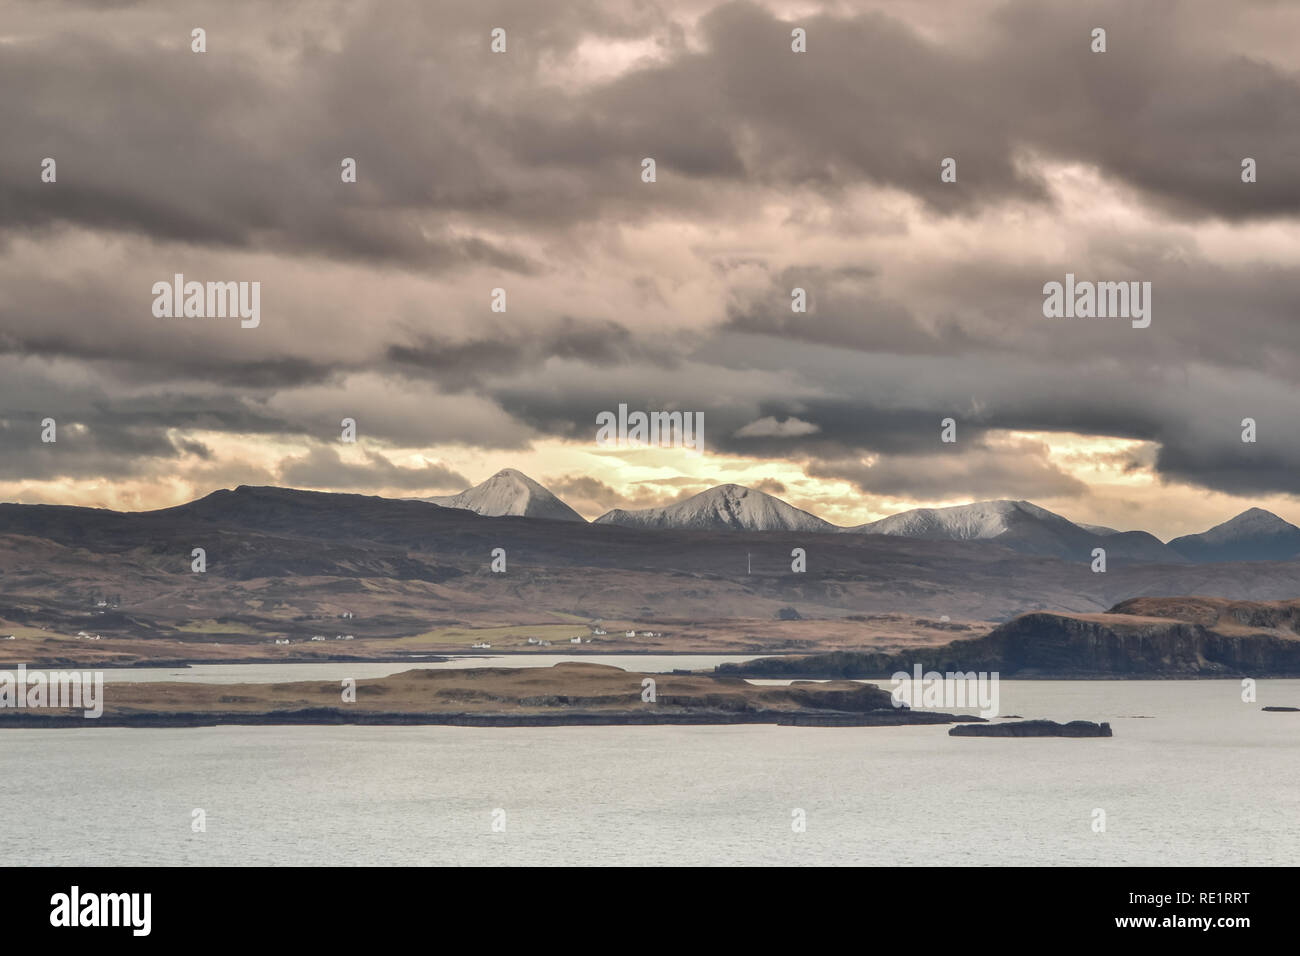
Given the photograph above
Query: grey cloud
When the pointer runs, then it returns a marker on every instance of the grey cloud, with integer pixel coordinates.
(1019, 472)
(244, 151)
(322, 467)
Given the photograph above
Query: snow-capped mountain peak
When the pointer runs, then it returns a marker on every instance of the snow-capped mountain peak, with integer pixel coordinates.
(727, 507)
(1250, 522)
(510, 492)
(1253, 535)
(977, 521)
(1021, 526)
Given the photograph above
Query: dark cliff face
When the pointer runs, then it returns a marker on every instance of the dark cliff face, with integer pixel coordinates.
(1100, 645)
(1050, 644)
(1282, 616)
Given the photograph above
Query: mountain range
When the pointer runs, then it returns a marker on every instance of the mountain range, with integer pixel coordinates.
(1021, 526)
(279, 561)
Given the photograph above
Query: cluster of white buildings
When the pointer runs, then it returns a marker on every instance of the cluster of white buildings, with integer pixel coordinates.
(316, 637)
(598, 630)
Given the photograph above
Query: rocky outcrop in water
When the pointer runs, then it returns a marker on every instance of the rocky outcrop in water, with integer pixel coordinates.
(1033, 728)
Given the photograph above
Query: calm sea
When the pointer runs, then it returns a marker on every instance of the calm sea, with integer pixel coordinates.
(1192, 776)
(276, 673)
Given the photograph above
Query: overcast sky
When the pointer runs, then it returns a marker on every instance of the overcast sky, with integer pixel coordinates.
(522, 170)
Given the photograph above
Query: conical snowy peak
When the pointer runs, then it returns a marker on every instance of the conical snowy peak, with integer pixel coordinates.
(1250, 522)
(510, 492)
(1253, 535)
(724, 508)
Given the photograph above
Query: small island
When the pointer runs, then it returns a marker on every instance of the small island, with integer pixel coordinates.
(1033, 728)
(561, 695)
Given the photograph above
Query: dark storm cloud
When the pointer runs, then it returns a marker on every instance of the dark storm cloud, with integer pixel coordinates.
(110, 449)
(323, 468)
(843, 308)
(980, 473)
(233, 150)
(202, 148)
(504, 349)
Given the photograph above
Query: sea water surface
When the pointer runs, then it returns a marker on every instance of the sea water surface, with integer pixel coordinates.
(1193, 776)
(274, 672)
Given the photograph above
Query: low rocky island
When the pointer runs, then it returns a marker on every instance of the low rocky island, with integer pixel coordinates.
(560, 695)
(1033, 728)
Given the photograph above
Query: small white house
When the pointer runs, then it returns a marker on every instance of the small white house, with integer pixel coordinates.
(631, 633)
(282, 640)
(575, 640)
(481, 646)
(318, 637)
